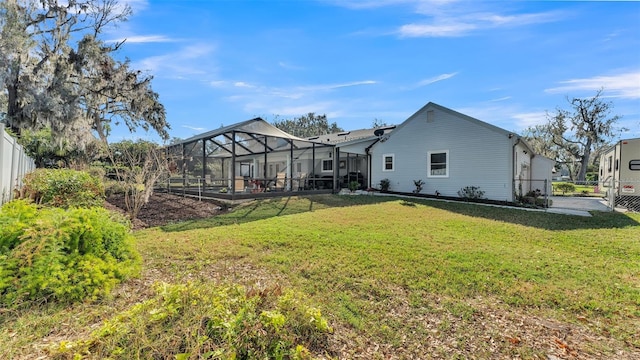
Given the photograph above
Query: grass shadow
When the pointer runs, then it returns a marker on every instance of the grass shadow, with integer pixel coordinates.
(267, 208)
(537, 219)
(290, 205)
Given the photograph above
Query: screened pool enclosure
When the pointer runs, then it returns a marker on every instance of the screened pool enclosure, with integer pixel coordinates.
(254, 159)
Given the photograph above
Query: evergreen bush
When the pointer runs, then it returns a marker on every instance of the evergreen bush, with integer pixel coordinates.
(63, 255)
(63, 188)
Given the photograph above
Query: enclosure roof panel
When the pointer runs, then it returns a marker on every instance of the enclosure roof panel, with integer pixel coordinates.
(255, 126)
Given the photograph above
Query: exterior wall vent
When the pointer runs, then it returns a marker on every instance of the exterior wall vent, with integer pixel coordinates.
(431, 116)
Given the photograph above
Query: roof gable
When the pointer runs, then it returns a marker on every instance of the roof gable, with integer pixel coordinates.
(460, 115)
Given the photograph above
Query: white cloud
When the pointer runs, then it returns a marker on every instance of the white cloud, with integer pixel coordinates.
(136, 5)
(371, 4)
(511, 118)
(288, 66)
(461, 23)
(342, 85)
(195, 128)
(434, 79)
(625, 85)
(289, 93)
(297, 110)
(527, 119)
(242, 84)
(435, 30)
(500, 99)
(263, 101)
(189, 60)
(140, 39)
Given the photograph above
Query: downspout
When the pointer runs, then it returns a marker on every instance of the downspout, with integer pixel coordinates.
(233, 165)
(513, 168)
(336, 155)
(369, 160)
(204, 159)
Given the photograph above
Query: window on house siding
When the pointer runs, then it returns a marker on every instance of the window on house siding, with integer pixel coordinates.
(610, 162)
(388, 162)
(634, 165)
(438, 163)
(327, 165)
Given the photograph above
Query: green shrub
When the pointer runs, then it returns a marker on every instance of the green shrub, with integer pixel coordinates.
(97, 172)
(230, 323)
(565, 187)
(385, 184)
(63, 255)
(113, 187)
(471, 192)
(63, 188)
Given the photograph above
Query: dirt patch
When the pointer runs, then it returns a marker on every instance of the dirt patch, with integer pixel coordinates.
(164, 208)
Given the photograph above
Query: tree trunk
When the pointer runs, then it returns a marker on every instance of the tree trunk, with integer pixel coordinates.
(13, 109)
(584, 161)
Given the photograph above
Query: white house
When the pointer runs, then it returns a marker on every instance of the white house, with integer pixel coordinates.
(450, 151)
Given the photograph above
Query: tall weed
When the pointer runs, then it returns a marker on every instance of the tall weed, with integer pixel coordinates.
(197, 320)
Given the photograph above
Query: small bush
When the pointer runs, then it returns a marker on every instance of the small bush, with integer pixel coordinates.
(63, 188)
(114, 187)
(534, 193)
(230, 323)
(62, 255)
(418, 184)
(385, 184)
(471, 193)
(353, 186)
(565, 187)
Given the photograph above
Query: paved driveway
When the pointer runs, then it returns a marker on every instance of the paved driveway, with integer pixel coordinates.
(579, 203)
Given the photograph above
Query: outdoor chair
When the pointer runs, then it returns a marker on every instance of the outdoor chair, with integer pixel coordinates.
(239, 184)
(299, 182)
(281, 180)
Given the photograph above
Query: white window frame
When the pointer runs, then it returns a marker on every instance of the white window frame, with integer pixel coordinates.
(446, 164)
(384, 162)
(327, 161)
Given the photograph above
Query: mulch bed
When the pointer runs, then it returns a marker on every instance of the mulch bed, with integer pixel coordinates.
(164, 208)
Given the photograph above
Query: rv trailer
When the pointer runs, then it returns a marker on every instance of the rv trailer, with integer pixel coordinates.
(620, 173)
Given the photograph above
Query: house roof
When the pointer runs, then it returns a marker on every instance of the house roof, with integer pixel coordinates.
(353, 136)
(461, 115)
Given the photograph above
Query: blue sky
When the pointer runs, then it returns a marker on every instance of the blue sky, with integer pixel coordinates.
(504, 62)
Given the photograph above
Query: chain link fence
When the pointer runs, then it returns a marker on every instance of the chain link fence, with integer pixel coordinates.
(619, 194)
(623, 194)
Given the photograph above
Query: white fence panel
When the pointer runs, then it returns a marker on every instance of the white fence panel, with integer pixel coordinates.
(14, 164)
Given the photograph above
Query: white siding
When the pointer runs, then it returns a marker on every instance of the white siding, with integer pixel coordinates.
(541, 170)
(478, 155)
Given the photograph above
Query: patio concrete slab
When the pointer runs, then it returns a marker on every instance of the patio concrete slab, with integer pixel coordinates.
(578, 203)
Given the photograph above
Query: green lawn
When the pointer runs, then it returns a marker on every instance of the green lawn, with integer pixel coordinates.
(579, 190)
(402, 278)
